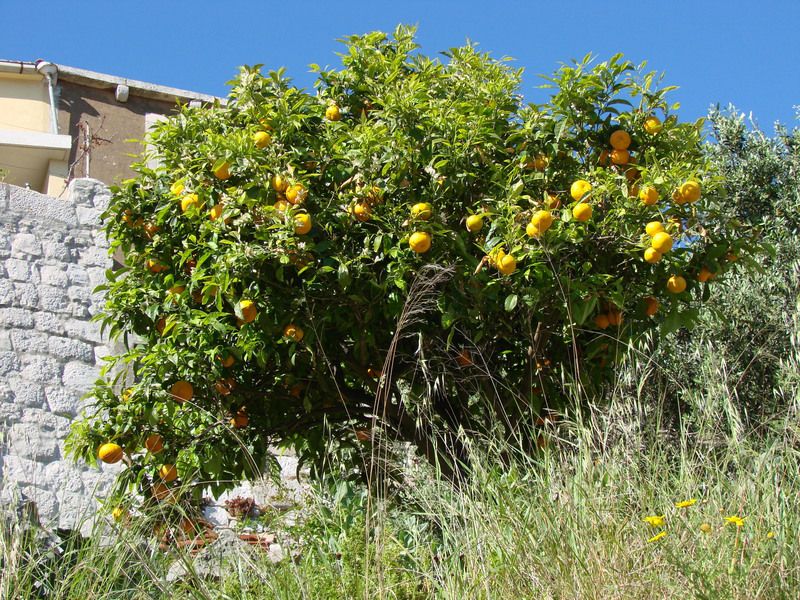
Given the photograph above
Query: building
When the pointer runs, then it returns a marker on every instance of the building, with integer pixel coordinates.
(59, 123)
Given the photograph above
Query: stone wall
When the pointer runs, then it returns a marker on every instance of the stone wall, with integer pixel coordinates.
(52, 255)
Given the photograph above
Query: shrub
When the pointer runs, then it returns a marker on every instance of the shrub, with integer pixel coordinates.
(281, 261)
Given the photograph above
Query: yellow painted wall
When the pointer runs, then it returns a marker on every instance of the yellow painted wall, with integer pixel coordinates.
(24, 103)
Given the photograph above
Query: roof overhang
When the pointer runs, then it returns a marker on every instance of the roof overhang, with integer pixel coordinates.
(26, 155)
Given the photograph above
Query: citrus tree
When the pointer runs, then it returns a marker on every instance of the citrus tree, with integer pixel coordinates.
(270, 257)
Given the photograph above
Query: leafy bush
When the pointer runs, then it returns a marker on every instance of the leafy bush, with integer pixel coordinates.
(281, 259)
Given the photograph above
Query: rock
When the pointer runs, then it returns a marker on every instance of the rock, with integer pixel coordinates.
(216, 515)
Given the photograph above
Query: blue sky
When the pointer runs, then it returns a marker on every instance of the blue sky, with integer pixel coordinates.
(717, 51)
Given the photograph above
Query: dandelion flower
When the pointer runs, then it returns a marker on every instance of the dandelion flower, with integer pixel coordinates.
(655, 520)
(686, 503)
(735, 520)
(657, 537)
(705, 527)
(770, 535)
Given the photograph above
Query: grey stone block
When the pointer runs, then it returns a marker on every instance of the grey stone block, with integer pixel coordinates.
(41, 369)
(26, 295)
(69, 349)
(19, 270)
(41, 208)
(50, 323)
(6, 292)
(63, 401)
(29, 341)
(26, 394)
(5, 243)
(97, 276)
(54, 275)
(25, 244)
(79, 293)
(53, 299)
(83, 330)
(16, 317)
(8, 362)
(79, 375)
(88, 216)
(29, 440)
(56, 251)
(5, 340)
(77, 275)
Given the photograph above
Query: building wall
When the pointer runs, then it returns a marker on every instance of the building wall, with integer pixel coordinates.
(24, 103)
(112, 125)
(52, 255)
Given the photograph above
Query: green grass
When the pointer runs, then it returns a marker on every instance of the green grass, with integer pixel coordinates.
(566, 522)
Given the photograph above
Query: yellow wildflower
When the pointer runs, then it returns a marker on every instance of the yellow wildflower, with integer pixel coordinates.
(705, 527)
(655, 520)
(735, 520)
(770, 535)
(657, 537)
(686, 503)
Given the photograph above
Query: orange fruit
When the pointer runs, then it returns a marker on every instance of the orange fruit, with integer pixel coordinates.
(154, 443)
(261, 139)
(538, 163)
(150, 229)
(240, 420)
(620, 140)
(601, 321)
(464, 358)
(420, 242)
(731, 257)
(161, 325)
(249, 310)
(648, 195)
(540, 222)
(176, 290)
(579, 189)
(281, 206)
(620, 157)
(279, 184)
(652, 125)
(302, 223)
(678, 198)
(654, 227)
(690, 191)
(215, 212)
(582, 212)
(225, 386)
(615, 317)
(422, 211)
(704, 275)
(676, 284)
(189, 201)
(176, 189)
(375, 195)
(223, 171)
(294, 332)
(602, 160)
(160, 491)
(168, 473)
(227, 361)
(507, 264)
(154, 266)
(182, 391)
(652, 255)
(296, 194)
(362, 211)
(662, 241)
(333, 113)
(110, 453)
(474, 223)
(632, 174)
(650, 306)
(552, 201)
